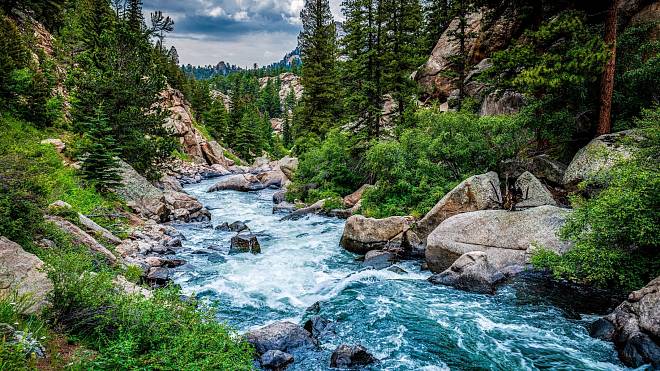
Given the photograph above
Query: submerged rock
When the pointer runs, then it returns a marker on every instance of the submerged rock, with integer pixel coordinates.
(378, 259)
(362, 234)
(276, 360)
(471, 272)
(634, 327)
(355, 356)
(283, 336)
(246, 242)
(319, 327)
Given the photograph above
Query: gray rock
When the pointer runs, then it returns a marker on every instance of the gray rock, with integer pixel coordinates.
(319, 327)
(542, 166)
(471, 272)
(276, 360)
(94, 228)
(355, 197)
(314, 208)
(158, 276)
(362, 234)
(378, 259)
(502, 103)
(355, 356)
(507, 237)
(279, 197)
(634, 326)
(23, 273)
(479, 192)
(238, 182)
(246, 242)
(533, 191)
(141, 195)
(282, 336)
(81, 237)
(601, 154)
(288, 165)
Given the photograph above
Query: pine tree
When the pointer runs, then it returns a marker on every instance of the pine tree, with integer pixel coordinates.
(134, 16)
(319, 76)
(100, 165)
(216, 120)
(461, 35)
(286, 131)
(174, 55)
(437, 16)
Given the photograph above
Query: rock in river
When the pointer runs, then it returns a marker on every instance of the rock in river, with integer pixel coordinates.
(362, 234)
(346, 356)
(275, 360)
(245, 242)
(282, 336)
(471, 272)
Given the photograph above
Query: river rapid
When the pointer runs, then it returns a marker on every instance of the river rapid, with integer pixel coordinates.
(407, 323)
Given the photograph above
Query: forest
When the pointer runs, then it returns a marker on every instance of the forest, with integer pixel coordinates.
(411, 98)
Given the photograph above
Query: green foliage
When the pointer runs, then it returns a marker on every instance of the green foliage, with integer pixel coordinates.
(414, 172)
(615, 232)
(100, 165)
(130, 331)
(330, 167)
(216, 120)
(18, 355)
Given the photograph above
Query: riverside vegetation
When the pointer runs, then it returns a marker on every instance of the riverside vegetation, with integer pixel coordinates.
(506, 82)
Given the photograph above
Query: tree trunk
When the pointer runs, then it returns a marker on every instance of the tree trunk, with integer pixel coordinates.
(607, 82)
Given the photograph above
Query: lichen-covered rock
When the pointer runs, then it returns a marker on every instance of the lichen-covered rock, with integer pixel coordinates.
(601, 154)
(634, 327)
(533, 191)
(288, 165)
(541, 166)
(479, 192)
(23, 273)
(471, 272)
(362, 234)
(507, 237)
(282, 336)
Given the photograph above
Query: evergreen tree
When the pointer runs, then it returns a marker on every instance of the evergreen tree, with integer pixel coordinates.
(248, 141)
(216, 120)
(269, 99)
(437, 16)
(174, 55)
(319, 76)
(100, 164)
(461, 35)
(286, 131)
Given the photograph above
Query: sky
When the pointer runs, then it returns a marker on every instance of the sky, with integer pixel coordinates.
(240, 32)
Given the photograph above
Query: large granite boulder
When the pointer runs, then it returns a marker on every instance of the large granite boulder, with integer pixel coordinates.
(634, 327)
(238, 182)
(288, 165)
(501, 103)
(23, 273)
(141, 195)
(282, 336)
(478, 192)
(471, 272)
(362, 234)
(541, 166)
(601, 154)
(507, 237)
(533, 191)
(185, 208)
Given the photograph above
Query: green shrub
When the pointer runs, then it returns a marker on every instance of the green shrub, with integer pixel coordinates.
(615, 233)
(19, 356)
(417, 170)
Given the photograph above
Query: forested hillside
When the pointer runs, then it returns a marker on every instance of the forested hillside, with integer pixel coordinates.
(480, 139)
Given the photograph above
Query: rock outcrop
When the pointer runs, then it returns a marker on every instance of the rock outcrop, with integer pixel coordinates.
(601, 154)
(501, 103)
(507, 237)
(244, 242)
(283, 336)
(634, 327)
(362, 234)
(479, 192)
(81, 237)
(541, 166)
(471, 272)
(289, 82)
(23, 274)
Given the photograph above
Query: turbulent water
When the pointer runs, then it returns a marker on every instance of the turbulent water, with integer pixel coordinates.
(402, 319)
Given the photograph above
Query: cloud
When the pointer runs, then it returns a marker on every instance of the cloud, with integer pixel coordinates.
(256, 28)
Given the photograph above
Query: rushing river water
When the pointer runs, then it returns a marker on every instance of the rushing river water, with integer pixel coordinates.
(402, 319)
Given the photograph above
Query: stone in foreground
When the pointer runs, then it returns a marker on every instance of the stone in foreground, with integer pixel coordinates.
(362, 234)
(346, 356)
(276, 360)
(471, 272)
(282, 336)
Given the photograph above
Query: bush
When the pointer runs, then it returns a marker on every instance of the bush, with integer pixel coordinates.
(616, 231)
(417, 170)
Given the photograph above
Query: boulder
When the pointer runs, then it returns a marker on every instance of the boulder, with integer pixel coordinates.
(59, 145)
(272, 178)
(541, 166)
(533, 191)
(502, 103)
(634, 327)
(185, 208)
(142, 196)
(362, 234)
(314, 208)
(158, 276)
(355, 197)
(81, 237)
(96, 229)
(319, 327)
(288, 165)
(238, 182)
(23, 273)
(275, 360)
(244, 242)
(236, 226)
(507, 237)
(378, 259)
(601, 154)
(347, 356)
(478, 192)
(283, 336)
(279, 196)
(471, 272)
(130, 288)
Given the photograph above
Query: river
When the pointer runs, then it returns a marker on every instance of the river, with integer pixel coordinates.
(402, 319)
